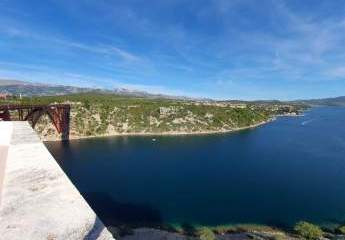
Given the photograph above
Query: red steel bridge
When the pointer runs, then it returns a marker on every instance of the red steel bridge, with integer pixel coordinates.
(59, 115)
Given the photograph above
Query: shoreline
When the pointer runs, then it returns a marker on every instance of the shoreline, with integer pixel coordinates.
(152, 233)
(163, 133)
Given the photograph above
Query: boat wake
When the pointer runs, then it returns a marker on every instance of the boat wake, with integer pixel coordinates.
(307, 122)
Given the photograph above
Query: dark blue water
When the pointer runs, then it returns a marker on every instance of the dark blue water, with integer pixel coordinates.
(288, 170)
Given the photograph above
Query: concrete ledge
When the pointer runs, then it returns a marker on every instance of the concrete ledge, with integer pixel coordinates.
(38, 199)
(5, 138)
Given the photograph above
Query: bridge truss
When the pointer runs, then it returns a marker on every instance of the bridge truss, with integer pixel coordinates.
(59, 115)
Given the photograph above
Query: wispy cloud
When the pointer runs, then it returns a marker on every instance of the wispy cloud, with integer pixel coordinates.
(336, 72)
(61, 42)
(303, 46)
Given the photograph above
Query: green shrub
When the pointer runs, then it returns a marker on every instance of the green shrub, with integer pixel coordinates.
(205, 233)
(87, 104)
(221, 229)
(341, 229)
(280, 237)
(308, 231)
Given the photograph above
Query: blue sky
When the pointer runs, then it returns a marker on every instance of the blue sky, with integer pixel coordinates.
(223, 49)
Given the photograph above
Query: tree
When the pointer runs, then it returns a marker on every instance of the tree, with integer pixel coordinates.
(87, 104)
(308, 231)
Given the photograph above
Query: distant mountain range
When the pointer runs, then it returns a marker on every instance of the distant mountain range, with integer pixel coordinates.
(336, 101)
(16, 87)
(27, 89)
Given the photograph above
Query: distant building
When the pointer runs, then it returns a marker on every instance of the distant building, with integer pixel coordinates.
(4, 96)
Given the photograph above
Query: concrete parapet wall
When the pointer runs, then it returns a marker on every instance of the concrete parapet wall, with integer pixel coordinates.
(38, 199)
(5, 138)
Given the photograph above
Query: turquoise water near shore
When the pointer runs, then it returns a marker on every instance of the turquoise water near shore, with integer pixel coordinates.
(288, 170)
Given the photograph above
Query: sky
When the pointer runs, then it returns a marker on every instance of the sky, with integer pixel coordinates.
(221, 49)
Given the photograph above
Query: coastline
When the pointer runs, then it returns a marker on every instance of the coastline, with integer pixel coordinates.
(172, 133)
(149, 233)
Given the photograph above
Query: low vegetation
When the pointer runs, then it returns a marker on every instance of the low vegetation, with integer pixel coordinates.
(205, 233)
(235, 228)
(308, 231)
(341, 229)
(253, 230)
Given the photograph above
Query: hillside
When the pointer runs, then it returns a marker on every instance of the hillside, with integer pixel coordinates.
(108, 114)
(337, 101)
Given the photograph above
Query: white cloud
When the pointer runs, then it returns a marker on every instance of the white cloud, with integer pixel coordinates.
(336, 72)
